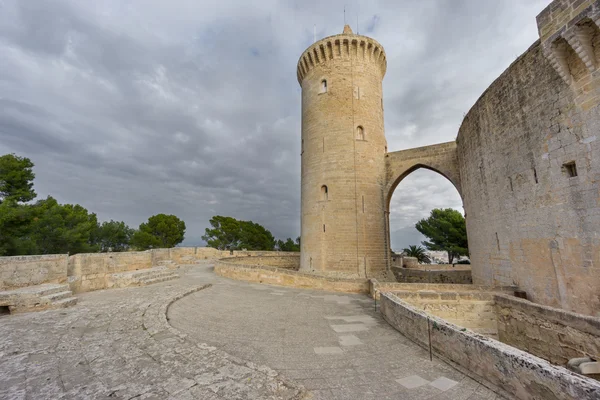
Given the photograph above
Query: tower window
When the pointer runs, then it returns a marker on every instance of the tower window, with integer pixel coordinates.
(324, 86)
(360, 133)
(571, 169)
(324, 193)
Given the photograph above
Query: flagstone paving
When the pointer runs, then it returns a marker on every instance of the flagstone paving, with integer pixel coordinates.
(206, 337)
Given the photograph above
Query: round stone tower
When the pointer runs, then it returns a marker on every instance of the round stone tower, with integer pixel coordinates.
(343, 157)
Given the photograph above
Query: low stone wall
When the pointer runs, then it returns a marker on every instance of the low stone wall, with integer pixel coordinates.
(20, 271)
(90, 271)
(460, 276)
(285, 277)
(512, 371)
(285, 260)
(550, 333)
(377, 287)
(468, 309)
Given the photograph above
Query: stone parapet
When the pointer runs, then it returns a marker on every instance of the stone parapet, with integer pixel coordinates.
(550, 333)
(285, 277)
(512, 372)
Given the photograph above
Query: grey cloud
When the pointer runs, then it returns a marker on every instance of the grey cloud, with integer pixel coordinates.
(193, 108)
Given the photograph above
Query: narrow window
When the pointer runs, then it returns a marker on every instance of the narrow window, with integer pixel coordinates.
(497, 241)
(302, 147)
(324, 193)
(571, 169)
(360, 133)
(323, 227)
(511, 185)
(324, 86)
(363, 203)
(535, 175)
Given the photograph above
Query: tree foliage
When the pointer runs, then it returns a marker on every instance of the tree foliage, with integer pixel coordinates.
(61, 228)
(289, 244)
(113, 236)
(161, 231)
(447, 231)
(228, 233)
(47, 227)
(417, 252)
(16, 179)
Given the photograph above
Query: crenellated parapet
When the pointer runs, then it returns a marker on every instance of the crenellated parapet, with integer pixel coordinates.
(345, 46)
(570, 37)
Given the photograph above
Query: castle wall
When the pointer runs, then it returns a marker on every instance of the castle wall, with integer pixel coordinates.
(343, 231)
(529, 222)
(20, 271)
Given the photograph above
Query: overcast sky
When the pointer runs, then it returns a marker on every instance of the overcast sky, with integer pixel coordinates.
(189, 107)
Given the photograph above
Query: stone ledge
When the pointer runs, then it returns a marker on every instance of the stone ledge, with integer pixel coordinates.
(286, 277)
(511, 370)
(584, 323)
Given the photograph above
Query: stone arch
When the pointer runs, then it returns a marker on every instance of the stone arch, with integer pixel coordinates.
(441, 158)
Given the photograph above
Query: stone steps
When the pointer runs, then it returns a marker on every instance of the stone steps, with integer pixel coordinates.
(59, 296)
(143, 277)
(64, 303)
(37, 298)
(159, 279)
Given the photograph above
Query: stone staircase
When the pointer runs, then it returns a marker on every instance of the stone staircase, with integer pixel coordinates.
(142, 277)
(47, 296)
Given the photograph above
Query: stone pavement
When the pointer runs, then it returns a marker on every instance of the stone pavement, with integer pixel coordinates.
(118, 344)
(335, 345)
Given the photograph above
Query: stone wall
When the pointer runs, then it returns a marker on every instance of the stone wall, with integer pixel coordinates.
(377, 287)
(469, 309)
(20, 271)
(286, 277)
(513, 372)
(529, 222)
(288, 261)
(552, 334)
(460, 276)
(90, 271)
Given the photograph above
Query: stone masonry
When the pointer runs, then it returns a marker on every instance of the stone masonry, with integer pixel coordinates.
(343, 148)
(525, 163)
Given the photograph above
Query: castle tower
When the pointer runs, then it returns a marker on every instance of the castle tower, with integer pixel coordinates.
(343, 157)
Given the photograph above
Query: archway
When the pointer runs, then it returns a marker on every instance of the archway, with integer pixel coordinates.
(412, 196)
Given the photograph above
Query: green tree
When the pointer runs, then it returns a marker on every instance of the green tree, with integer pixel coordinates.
(60, 228)
(417, 252)
(289, 244)
(16, 179)
(447, 231)
(113, 236)
(228, 233)
(161, 231)
(256, 237)
(15, 227)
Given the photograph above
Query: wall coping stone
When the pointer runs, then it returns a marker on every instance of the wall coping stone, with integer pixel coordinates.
(574, 320)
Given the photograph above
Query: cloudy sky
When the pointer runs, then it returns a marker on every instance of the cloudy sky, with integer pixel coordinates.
(189, 107)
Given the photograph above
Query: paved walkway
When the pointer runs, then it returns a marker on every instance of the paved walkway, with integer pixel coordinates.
(118, 344)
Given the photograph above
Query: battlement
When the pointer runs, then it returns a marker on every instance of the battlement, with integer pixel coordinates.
(570, 34)
(343, 46)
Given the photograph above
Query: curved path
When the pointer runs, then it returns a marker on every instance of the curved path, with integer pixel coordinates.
(335, 345)
(118, 344)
